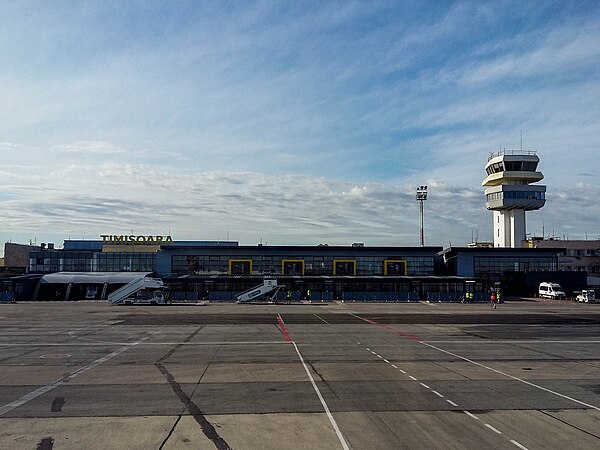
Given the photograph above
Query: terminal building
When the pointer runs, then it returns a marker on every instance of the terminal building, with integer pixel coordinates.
(218, 270)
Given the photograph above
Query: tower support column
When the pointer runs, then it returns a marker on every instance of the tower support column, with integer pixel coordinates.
(509, 227)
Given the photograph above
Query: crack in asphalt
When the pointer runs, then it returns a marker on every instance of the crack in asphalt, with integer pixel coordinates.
(207, 428)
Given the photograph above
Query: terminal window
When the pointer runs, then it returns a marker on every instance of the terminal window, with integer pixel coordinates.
(292, 267)
(394, 267)
(344, 267)
(240, 266)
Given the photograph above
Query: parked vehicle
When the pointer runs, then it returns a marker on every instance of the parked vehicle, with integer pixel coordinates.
(146, 297)
(551, 290)
(586, 296)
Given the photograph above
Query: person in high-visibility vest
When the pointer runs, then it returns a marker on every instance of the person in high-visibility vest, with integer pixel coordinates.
(289, 296)
(308, 295)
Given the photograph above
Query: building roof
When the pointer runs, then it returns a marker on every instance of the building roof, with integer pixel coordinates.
(92, 277)
(499, 251)
(82, 244)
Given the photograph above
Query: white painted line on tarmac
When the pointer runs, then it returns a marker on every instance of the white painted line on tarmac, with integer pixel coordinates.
(512, 376)
(373, 352)
(327, 411)
(385, 360)
(358, 342)
(522, 447)
(472, 416)
(394, 366)
(495, 430)
(321, 318)
(40, 391)
(482, 365)
(368, 349)
(379, 356)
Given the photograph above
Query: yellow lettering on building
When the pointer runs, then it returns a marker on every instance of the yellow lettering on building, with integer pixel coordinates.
(133, 239)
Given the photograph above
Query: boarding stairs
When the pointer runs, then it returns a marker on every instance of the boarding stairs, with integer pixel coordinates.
(269, 287)
(131, 288)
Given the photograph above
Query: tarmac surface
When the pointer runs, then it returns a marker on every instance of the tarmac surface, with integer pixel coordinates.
(90, 375)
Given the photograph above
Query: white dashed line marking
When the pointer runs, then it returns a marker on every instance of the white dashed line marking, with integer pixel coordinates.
(511, 376)
(519, 445)
(316, 315)
(495, 430)
(472, 416)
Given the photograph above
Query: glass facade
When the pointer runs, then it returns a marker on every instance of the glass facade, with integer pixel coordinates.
(492, 268)
(512, 166)
(520, 195)
(49, 262)
(312, 265)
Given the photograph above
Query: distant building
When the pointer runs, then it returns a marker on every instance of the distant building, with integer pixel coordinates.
(480, 245)
(16, 256)
(578, 255)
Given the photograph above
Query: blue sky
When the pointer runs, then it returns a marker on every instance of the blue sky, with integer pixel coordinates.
(292, 122)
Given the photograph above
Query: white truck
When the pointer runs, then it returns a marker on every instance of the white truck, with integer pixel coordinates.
(551, 290)
(586, 296)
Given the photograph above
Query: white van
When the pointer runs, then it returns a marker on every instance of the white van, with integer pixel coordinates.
(551, 290)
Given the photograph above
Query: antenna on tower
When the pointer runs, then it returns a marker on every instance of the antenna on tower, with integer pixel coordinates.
(521, 140)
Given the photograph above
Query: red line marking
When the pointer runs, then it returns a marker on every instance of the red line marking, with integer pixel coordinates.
(393, 330)
(284, 330)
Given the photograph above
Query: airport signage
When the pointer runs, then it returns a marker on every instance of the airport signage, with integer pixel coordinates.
(133, 239)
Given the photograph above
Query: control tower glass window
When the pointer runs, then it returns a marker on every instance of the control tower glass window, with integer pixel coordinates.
(512, 166)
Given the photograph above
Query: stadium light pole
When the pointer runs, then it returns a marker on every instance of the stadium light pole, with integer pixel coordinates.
(421, 197)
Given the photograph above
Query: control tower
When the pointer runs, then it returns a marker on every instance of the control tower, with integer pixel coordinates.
(509, 193)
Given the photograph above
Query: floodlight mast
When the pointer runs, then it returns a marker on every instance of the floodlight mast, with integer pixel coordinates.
(421, 197)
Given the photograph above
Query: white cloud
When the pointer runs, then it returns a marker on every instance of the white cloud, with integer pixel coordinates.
(89, 147)
(299, 124)
(6, 146)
